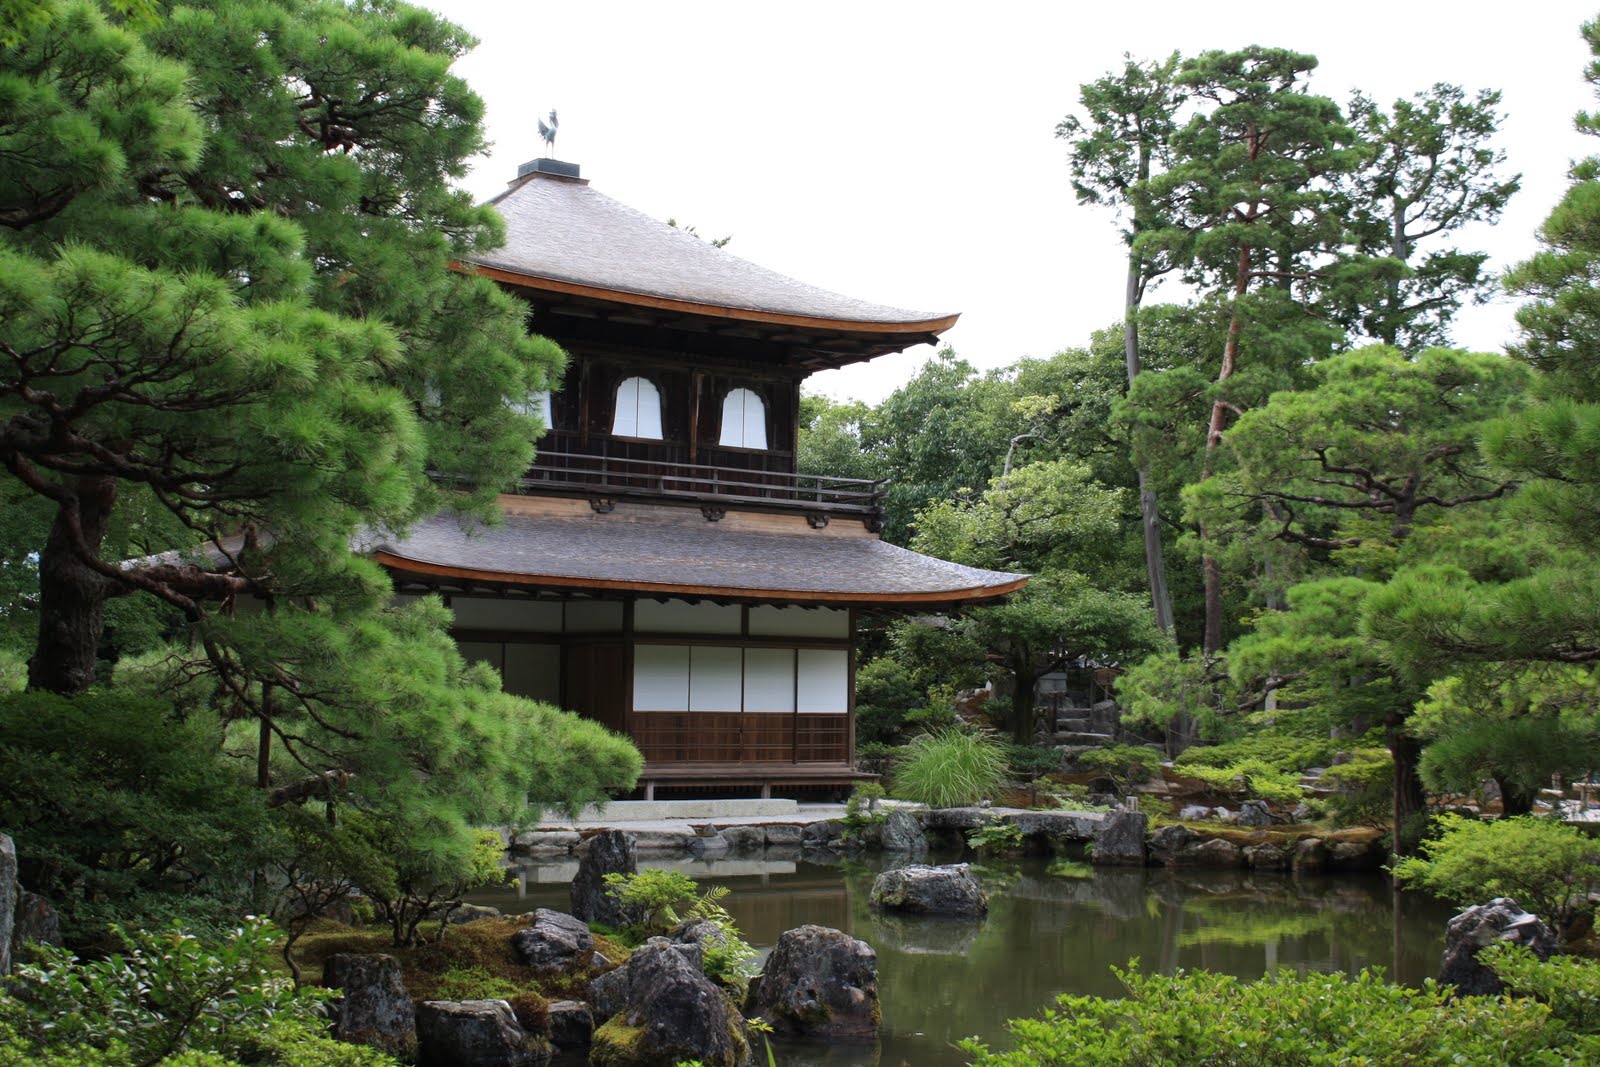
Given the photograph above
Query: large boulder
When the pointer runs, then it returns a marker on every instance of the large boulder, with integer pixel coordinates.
(1168, 841)
(673, 1013)
(902, 833)
(571, 1024)
(1120, 842)
(825, 833)
(744, 839)
(608, 993)
(820, 982)
(8, 899)
(1255, 813)
(1215, 852)
(36, 923)
(555, 941)
(923, 890)
(608, 852)
(1500, 920)
(1310, 855)
(475, 1033)
(373, 1008)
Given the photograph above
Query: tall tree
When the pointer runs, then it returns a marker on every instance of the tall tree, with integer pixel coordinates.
(1125, 136)
(1431, 170)
(1251, 215)
(226, 292)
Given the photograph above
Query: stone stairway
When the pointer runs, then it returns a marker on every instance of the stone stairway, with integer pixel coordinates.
(1075, 726)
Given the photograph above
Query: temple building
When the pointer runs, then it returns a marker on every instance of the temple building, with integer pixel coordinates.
(663, 568)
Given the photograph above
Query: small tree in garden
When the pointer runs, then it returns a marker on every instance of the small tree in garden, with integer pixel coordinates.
(1545, 865)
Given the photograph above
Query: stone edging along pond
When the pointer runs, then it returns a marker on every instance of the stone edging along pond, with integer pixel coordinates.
(1115, 838)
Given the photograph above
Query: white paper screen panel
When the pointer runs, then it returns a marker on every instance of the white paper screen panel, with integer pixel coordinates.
(768, 621)
(533, 671)
(823, 681)
(531, 616)
(769, 679)
(594, 617)
(714, 678)
(744, 420)
(638, 411)
(661, 678)
(682, 617)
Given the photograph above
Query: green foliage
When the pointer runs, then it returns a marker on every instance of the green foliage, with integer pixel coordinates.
(1204, 1019)
(1130, 764)
(1569, 985)
(996, 835)
(1364, 788)
(885, 694)
(165, 994)
(125, 811)
(473, 983)
(861, 810)
(410, 870)
(949, 768)
(1545, 865)
(1250, 778)
(1027, 762)
(667, 898)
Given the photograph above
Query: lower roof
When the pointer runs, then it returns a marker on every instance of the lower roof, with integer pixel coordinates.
(565, 546)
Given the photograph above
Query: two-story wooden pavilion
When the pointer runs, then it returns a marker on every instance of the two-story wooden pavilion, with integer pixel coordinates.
(663, 568)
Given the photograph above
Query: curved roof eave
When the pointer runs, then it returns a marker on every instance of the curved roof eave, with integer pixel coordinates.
(936, 598)
(722, 311)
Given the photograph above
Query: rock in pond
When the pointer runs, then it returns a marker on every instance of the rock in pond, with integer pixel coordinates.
(374, 1008)
(1120, 842)
(948, 890)
(744, 839)
(1215, 852)
(475, 1033)
(673, 1013)
(901, 832)
(820, 982)
(555, 941)
(571, 1024)
(1500, 920)
(608, 852)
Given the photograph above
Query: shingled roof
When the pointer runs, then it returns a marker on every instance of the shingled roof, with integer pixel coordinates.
(675, 552)
(563, 235)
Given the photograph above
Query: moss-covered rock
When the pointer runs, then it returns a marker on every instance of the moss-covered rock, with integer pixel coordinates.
(673, 1013)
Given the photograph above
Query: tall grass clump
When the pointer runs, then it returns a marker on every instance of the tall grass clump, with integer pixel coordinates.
(948, 768)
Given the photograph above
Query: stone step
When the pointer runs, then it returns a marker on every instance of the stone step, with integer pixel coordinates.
(1074, 725)
(1080, 737)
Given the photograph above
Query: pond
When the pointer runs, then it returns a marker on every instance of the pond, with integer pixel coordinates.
(1053, 927)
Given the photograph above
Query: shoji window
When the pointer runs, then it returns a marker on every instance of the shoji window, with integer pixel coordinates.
(744, 420)
(638, 411)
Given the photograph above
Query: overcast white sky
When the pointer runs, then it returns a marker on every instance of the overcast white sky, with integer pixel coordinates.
(905, 152)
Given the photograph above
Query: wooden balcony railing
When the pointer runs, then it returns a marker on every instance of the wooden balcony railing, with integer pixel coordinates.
(619, 476)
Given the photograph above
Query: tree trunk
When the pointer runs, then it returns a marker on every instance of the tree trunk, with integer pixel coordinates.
(1210, 567)
(1410, 799)
(1514, 800)
(1155, 563)
(72, 594)
(1022, 706)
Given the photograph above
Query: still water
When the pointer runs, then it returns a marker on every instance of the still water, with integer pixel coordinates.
(1052, 928)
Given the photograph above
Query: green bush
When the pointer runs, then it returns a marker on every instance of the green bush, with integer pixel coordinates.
(950, 768)
(861, 810)
(1570, 986)
(1287, 752)
(1028, 762)
(1203, 1019)
(667, 898)
(1251, 778)
(123, 811)
(885, 694)
(996, 835)
(1363, 789)
(1543, 864)
(169, 998)
(1129, 764)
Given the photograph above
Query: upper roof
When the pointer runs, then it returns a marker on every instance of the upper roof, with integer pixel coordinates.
(666, 551)
(564, 236)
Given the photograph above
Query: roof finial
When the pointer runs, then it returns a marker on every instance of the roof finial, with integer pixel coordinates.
(549, 133)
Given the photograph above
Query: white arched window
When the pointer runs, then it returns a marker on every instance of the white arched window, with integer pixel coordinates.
(744, 420)
(638, 410)
(538, 403)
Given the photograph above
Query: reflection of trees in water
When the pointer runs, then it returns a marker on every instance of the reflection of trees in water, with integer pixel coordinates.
(1044, 935)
